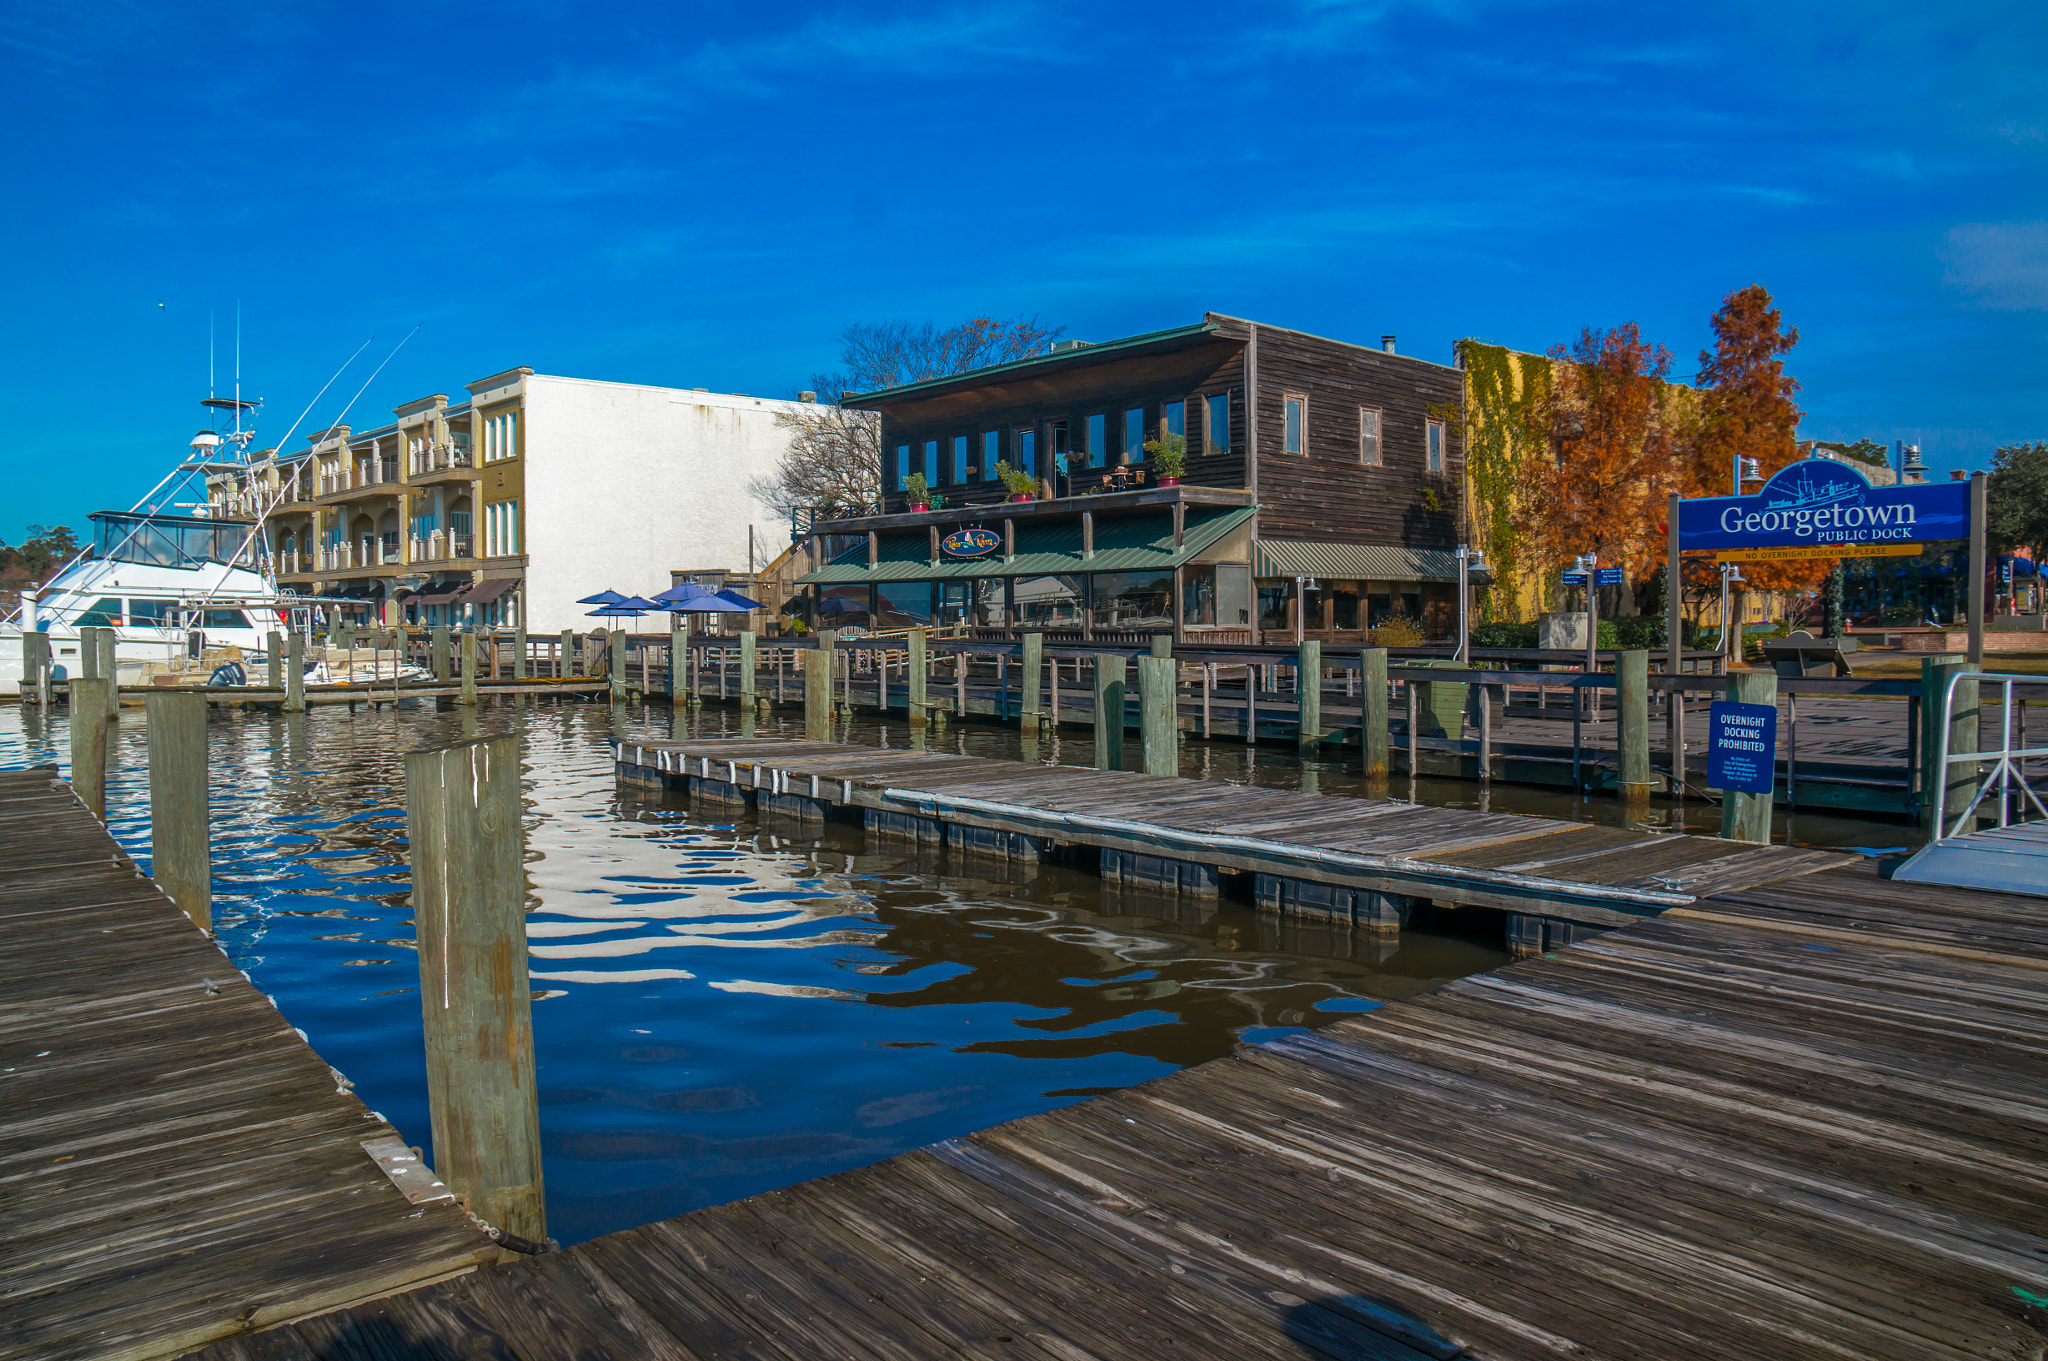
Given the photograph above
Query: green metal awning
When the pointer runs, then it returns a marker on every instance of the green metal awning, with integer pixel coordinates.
(1353, 561)
(1124, 543)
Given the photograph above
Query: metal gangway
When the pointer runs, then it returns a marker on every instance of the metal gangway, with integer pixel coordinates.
(2011, 857)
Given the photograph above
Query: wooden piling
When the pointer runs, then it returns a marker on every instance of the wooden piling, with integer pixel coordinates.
(1632, 725)
(519, 653)
(178, 825)
(88, 655)
(1109, 711)
(1372, 713)
(89, 743)
(565, 657)
(295, 674)
(469, 660)
(678, 659)
(1747, 817)
(1308, 697)
(1028, 715)
(1162, 645)
(442, 659)
(615, 662)
(750, 697)
(915, 675)
(273, 666)
(1961, 776)
(1158, 714)
(110, 669)
(818, 694)
(462, 824)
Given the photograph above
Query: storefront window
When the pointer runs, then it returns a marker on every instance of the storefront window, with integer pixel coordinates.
(1048, 602)
(1133, 600)
(977, 601)
(1274, 597)
(1378, 607)
(903, 604)
(1198, 595)
(840, 606)
(1344, 604)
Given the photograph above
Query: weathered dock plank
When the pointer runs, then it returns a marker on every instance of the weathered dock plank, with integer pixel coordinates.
(176, 1163)
(1784, 1122)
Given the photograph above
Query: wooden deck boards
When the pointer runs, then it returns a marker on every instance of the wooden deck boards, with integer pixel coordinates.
(1696, 1137)
(176, 1164)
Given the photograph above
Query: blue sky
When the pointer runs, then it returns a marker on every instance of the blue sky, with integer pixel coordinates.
(703, 195)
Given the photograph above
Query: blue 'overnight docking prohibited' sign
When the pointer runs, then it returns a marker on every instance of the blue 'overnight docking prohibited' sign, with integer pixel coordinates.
(1742, 746)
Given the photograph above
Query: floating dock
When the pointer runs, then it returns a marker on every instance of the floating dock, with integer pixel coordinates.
(176, 1163)
(1800, 1118)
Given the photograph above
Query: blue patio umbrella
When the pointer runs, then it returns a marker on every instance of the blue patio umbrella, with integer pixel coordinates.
(680, 597)
(625, 605)
(601, 598)
(734, 597)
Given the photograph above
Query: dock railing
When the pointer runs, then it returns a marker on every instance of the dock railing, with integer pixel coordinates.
(2008, 763)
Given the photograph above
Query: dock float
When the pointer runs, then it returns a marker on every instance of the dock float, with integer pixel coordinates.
(1801, 1119)
(1326, 859)
(177, 1164)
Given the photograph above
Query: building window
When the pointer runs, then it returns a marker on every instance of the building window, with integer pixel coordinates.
(1369, 437)
(1275, 601)
(1134, 436)
(501, 436)
(1027, 451)
(1436, 446)
(501, 529)
(1295, 437)
(1217, 436)
(959, 468)
(1098, 438)
(1173, 419)
(902, 465)
(991, 453)
(1133, 599)
(930, 467)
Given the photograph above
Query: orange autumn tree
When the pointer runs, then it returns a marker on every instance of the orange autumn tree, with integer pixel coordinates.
(1617, 434)
(1746, 411)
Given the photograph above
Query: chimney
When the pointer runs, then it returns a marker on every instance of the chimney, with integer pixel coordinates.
(1956, 474)
(807, 396)
(1387, 344)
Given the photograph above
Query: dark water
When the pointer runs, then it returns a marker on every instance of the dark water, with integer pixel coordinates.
(721, 1011)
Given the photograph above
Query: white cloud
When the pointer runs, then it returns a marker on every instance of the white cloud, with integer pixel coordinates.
(2004, 265)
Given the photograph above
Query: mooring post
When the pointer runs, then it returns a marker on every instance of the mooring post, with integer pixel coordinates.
(818, 693)
(441, 658)
(178, 824)
(749, 685)
(463, 831)
(1632, 724)
(1960, 779)
(1028, 715)
(1162, 645)
(1158, 714)
(273, 666)
(615, 662)
(1109, 711)
(295, 674)
(678, 659)
(1744, 816)
(914, 674)
(1308, 697)
(89, 743)
(88, 657)
(469, 666)
(1373, 739)
(110, 670)
(565, 653)
(519, 653)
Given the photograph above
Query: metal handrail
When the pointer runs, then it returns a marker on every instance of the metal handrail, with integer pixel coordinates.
(2005, 774)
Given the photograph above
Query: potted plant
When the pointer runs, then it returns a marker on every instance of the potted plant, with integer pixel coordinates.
(1022, 485)
(918, 492)
(1169, 458)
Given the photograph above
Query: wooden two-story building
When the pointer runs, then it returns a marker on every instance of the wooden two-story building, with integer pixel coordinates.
(1320, 494)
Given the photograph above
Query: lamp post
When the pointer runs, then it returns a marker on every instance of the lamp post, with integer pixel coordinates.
(1731, 575)
(1470, 560)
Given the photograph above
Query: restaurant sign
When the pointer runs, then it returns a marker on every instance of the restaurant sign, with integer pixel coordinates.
(971, 543)
(1823, 509)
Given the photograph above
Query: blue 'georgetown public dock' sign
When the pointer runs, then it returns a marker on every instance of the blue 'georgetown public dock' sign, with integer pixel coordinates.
(1825, 509)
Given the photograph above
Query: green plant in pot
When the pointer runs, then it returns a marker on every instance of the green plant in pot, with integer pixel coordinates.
(1021, 485)
(917, 492)
(1169, 458)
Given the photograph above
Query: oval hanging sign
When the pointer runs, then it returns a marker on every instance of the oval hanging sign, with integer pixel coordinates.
(971, 543)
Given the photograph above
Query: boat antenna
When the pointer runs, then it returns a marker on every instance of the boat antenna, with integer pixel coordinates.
(373, 374)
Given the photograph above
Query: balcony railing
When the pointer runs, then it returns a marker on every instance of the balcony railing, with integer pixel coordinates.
(442, 546)
(291, 562)
(439, 458)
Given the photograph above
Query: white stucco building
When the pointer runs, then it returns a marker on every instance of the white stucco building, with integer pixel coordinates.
(536, 490)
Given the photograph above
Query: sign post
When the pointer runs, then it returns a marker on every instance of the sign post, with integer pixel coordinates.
(1742, 754)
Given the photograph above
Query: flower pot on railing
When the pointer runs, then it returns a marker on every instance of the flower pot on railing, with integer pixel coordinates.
(1169, 482)
(918, 507)
(1024, 496)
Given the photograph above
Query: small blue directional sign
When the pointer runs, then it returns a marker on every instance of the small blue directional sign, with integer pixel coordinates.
(1573, 578)
(1742, 746)
(1607, 576)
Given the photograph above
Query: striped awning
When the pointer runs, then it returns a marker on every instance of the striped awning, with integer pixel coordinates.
(1353, 561)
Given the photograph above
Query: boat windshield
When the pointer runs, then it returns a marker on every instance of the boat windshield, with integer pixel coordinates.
(168, 540)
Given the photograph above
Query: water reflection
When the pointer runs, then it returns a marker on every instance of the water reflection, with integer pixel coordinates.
(725, 1006)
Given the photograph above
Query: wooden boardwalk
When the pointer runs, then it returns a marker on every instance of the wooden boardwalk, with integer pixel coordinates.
(1311, 856)
(1802, 1119)
(176, 1163)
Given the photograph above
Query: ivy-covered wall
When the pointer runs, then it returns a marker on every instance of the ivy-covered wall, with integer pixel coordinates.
(1504, 395)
